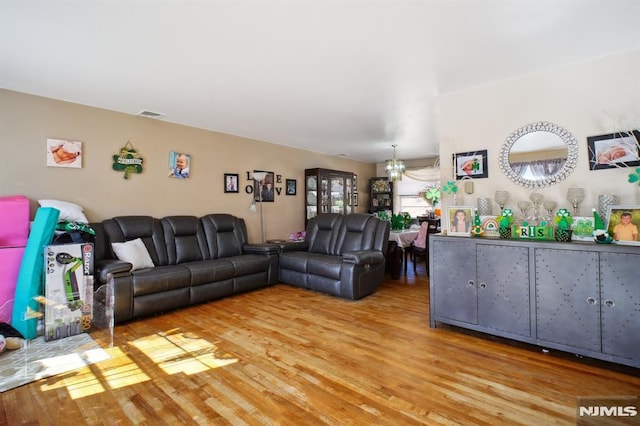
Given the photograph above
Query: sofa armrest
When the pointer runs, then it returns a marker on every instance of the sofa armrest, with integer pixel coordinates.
(363, 257)
(105, 267)
(294, 246)
(260, 249)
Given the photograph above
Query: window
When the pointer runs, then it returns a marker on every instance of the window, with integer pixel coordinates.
(415, 206)
(407, 191)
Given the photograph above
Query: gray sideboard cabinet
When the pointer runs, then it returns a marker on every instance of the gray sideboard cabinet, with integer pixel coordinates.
(483, 287)
(581, 298)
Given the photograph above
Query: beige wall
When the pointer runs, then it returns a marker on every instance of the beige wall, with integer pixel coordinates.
(27, 121)
(587, 99)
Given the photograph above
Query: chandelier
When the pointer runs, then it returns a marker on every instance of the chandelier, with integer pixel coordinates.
(394, 167)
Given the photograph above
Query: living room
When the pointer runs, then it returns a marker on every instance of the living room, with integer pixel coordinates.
(587, 97)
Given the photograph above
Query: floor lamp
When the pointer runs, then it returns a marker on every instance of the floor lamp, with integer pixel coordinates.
(259, 177)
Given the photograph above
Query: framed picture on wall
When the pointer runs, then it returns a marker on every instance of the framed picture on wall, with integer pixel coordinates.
(291, 187)
(179, 165)
(459, 220)
(623, 224)
(471, 165)
(64, 153)
(620, 149)
(265, 189)
(231, 182)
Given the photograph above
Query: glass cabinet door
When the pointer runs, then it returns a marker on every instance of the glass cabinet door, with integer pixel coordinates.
(337, 194)
(311, 194)
(348, 191)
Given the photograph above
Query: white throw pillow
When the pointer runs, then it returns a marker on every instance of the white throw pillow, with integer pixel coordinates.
(69, 212)
(134, 252)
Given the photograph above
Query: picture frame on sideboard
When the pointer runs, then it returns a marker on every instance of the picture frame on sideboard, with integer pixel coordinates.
(459, 220)
(623, 224)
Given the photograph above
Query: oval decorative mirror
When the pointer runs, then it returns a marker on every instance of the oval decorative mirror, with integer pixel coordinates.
(539, 155)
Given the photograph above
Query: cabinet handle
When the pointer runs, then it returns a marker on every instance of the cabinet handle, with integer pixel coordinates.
(591, 300)
(471, 283)
(483, 285)
(610, 303)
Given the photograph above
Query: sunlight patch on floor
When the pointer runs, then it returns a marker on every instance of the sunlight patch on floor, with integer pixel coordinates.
(177, 352)
(120, 370)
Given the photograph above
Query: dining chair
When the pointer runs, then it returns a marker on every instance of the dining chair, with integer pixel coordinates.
(419, 248)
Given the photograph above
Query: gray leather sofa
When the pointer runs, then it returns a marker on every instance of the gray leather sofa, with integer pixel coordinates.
(342, 255)
(196, 260)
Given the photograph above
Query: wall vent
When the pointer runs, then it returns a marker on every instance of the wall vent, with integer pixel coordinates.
(150, 114)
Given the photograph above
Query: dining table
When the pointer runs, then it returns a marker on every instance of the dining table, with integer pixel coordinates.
(398, 241)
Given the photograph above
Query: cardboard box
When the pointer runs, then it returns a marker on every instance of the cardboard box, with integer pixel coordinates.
(68, 288)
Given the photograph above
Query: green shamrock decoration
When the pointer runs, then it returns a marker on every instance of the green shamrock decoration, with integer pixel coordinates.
(583, 228)
(563, 219)
(127, 160)
(505, 219)
(635, 177)
(433, 194)
(450, 187)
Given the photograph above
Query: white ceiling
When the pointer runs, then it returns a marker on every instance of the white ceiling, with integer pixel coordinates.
(334, 76)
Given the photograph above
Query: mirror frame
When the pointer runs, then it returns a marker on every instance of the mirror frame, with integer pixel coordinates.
(541, 126)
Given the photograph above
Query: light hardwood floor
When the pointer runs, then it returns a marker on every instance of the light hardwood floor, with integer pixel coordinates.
(287, 356)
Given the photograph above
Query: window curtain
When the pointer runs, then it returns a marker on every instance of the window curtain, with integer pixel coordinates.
(519, 168)
(540, 169)
(427, 174)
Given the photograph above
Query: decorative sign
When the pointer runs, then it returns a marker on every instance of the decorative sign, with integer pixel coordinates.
(544, 232)
(127, 160)
(490, 226)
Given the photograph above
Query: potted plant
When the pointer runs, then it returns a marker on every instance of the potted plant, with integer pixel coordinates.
(563, 222)
(505, 220)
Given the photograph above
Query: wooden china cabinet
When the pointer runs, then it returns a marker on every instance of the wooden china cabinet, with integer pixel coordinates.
(327, 191)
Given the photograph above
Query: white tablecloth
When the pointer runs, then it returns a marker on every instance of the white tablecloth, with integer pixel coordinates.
(403, 238)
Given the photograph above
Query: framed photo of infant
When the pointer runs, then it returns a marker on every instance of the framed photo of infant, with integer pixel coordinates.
(623, 225)
(64, 153)
(620, 149)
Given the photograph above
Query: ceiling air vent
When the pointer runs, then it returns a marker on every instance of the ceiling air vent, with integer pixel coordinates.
(150, 114)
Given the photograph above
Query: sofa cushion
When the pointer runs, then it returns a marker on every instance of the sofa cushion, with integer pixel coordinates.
(247, 264)
(208, 271)
(134, 252)
(184, 238)
(293, 260)
(324, 265)
(312, 263)
(322, 232)
(160, 279)
(357, 232)
(225, 235)
(148, 229)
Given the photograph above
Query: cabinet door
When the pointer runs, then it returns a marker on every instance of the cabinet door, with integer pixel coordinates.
(453, 281)
(503, 288)
(620, 304)
(567, 298)
(337, 194)
(311, 197)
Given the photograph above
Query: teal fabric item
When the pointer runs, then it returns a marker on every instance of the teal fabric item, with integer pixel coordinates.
(31, 272)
